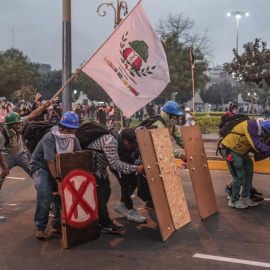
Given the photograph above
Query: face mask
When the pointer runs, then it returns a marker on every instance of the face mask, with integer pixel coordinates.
(16, 129)
(172, 122)
(56, 106)
(22, 107)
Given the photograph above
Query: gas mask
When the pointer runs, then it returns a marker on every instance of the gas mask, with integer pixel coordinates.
(22, 107)
(15, 128)
(172, 121)
(56, 106)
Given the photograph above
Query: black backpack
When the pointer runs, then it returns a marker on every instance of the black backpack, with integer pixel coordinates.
(34, 131)
(151, 120)
(226, 126)
(89, 132)
(228, 123)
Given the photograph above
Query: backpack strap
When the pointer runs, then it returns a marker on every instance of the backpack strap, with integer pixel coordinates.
(4, 132)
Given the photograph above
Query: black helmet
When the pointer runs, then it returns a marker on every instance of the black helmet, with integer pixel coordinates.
(56, 100)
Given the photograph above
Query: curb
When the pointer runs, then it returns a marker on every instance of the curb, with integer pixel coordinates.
(221, 165)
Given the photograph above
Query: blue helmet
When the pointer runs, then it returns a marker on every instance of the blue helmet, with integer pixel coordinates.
(266, 125)
(70, 120)
(171, 107)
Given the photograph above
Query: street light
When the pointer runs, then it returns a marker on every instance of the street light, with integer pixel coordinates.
(121, 6)
(238, 15)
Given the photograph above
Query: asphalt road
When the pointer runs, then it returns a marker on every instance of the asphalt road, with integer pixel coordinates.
(242, 234)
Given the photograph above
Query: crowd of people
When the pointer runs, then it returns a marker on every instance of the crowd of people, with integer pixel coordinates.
(117, 151)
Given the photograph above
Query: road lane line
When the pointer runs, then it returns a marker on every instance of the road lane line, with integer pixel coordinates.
(231, 260)
(18, 178)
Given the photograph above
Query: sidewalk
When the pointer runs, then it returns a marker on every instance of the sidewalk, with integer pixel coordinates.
(212, 137)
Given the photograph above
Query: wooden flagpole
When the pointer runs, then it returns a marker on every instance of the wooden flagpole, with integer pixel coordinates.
(193, 88)
(67, 83)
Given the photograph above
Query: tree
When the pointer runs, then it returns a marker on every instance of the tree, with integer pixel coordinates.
(218, 94)
(177, 39)
(17, 71)
(253, 66)
(52, 82)
(27, 93)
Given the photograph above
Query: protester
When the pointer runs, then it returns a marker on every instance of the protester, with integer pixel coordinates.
(4, 110)
(101, 115)
(127, 151)
(77, 110)
(37, 104)
(243, 138)
(43, 168)
(11, 144)
(229, 113)
(23, 109)
(232, 111)
(152, 111)
(55, 111)
(169, 118)
(93, 111)
(108, 156)
(189, 119)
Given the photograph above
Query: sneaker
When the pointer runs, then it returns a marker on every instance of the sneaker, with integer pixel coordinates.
(228, 189)
(121, 209)
(149, 205)
(133, 215)
(254, 191)
(248, 201)
(237, 204)
(113, 229)
(256, 198)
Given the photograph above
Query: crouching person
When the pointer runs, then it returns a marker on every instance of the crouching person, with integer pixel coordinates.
(244, 137)
(106, 154)
(43, 167)
(128, 151)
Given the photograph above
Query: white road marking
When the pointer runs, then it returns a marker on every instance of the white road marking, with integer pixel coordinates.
(18, 178)
(231, 260)
(266, 199)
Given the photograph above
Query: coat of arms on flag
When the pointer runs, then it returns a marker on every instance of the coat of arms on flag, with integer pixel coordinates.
(131, 65)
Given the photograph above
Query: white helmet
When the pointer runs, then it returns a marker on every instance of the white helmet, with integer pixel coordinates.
(187, 109)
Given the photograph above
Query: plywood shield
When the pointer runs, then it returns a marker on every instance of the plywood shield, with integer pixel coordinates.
(79, 212)
(168, 220)
(199, 171)
(170, 177)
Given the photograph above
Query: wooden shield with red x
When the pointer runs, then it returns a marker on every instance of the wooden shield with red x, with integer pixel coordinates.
(79, 213)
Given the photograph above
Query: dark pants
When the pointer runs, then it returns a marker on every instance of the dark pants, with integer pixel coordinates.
(128, 183)
(103, 196)
(241, 170)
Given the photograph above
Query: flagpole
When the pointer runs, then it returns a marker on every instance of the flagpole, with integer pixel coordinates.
(192, 76)
(67, 83)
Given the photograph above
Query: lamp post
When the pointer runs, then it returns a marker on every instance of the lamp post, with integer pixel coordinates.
(120, 7)
(66, 55)
(238, 15)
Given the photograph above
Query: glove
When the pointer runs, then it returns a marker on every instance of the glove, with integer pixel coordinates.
(230, 158)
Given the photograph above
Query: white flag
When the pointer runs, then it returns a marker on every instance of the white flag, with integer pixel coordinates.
(131, 65)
